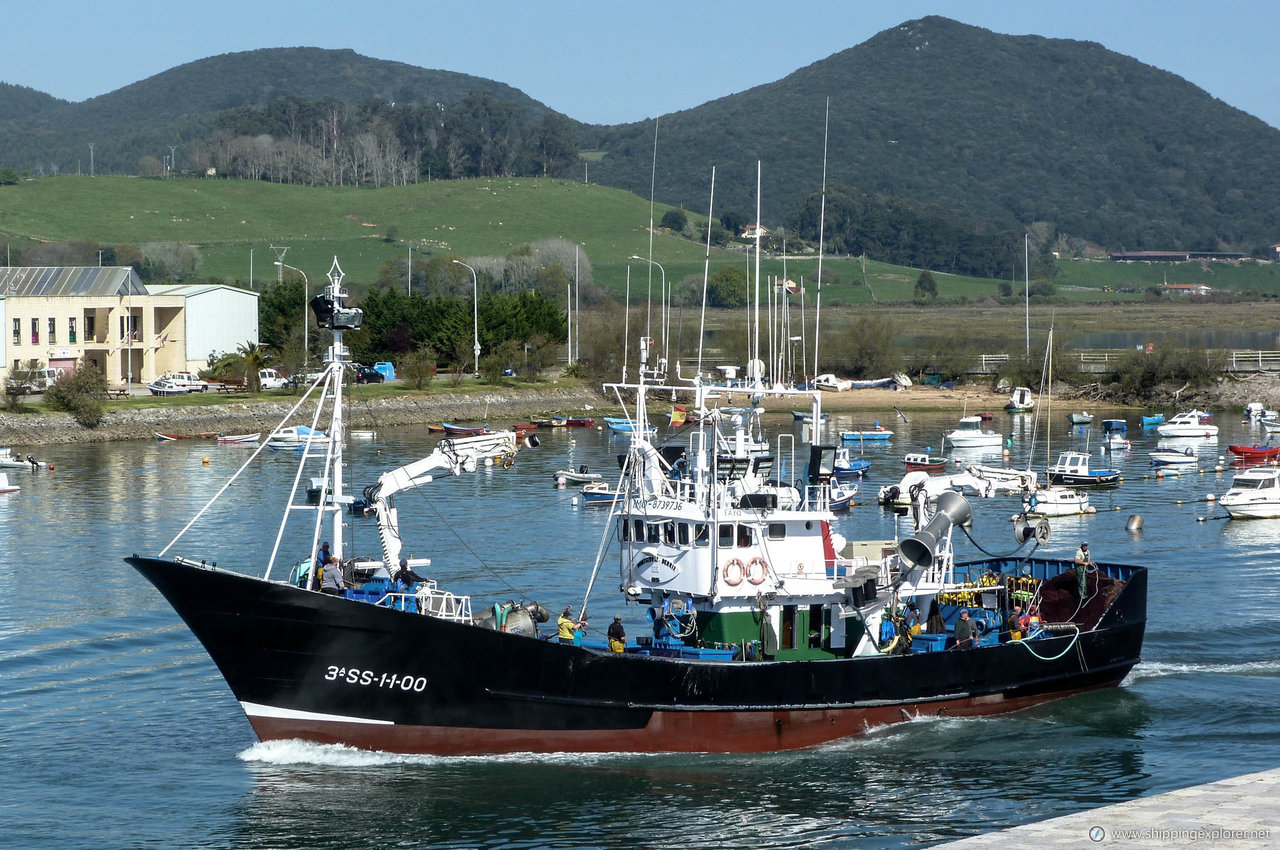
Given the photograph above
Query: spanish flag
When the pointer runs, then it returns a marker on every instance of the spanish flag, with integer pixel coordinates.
(677, 416)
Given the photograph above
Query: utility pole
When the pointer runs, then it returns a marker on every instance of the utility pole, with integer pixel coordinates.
(91, 159)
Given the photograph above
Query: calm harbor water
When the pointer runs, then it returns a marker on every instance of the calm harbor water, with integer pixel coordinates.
(117, 730)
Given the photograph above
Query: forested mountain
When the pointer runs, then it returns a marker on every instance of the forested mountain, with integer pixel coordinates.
(20, 101)
(208, 102)
(933, 124)
(1007, 130)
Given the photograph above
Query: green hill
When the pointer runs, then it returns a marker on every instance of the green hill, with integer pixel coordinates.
(1007, 130)
(227, 219)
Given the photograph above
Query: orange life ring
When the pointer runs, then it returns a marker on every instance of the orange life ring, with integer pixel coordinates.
(751, 571)
(733, 572)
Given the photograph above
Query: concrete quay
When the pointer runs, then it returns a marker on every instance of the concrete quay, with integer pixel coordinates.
(1242, 813)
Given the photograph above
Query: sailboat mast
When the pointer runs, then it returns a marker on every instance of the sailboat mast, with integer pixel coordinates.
(706, 272)
(822, 230)
(755, 351)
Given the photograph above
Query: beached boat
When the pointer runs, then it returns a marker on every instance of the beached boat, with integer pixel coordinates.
(1073, 470)
(970, 434)
(831, 384)
(1021, 401)
(166, 388)
(746, 599)
(1254, 494)
(169, 437)
(1193, 423)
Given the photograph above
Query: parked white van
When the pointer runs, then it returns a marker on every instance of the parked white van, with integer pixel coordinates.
(270, 379)
(37, 380)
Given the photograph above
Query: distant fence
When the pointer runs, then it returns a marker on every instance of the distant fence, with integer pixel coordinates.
(1102, 361)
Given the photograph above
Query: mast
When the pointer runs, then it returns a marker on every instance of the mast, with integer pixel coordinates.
(822, 230)
(706, 272)
(755, 351)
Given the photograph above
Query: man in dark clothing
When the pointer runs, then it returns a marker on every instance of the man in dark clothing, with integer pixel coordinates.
(405, 576)
(964, 630)
(617, 636)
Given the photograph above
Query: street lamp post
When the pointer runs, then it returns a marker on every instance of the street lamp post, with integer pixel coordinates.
(663, 319)
(306, 320)
(475, 310)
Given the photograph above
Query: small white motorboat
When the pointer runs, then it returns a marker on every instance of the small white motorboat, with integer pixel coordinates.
(1169, 456)
(238, 439)
(564, 477)
(1057, 501)
(297, 437)
(970, 434)
(1254, 494)
(1193, 423)
(165, 387)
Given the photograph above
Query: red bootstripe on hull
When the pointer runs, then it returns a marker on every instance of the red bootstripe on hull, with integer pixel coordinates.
(667, 731)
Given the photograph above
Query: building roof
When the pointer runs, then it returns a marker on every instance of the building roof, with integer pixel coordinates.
(188, 290)
(58, 281)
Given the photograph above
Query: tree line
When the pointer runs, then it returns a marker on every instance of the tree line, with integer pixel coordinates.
(377, 143)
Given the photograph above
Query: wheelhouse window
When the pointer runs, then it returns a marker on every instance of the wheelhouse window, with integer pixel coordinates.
(746, 536)
(726, 535)
(654, 535)
(777, 531)
(624, 529)
(682, 532)
(701, 534)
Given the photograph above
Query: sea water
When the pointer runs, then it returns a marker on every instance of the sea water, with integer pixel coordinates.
(117, 730)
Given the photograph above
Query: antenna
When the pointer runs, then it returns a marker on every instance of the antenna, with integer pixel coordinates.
(280, 252)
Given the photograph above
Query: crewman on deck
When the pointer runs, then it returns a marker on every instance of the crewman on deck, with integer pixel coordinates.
(617, 636)
(1015, 623)
(964, 630)
(567, 626)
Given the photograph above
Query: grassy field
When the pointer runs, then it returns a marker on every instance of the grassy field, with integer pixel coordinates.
(229, 219)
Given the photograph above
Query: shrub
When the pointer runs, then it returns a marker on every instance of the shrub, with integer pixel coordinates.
(80, 395)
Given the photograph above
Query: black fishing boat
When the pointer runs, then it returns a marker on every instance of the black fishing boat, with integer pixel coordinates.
(770, 631)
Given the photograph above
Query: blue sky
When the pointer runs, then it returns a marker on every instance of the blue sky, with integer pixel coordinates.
(609, 62)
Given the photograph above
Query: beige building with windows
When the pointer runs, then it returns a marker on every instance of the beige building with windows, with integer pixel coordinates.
(109, 319)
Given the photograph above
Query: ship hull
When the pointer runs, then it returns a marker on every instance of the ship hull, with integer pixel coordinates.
(318, 668)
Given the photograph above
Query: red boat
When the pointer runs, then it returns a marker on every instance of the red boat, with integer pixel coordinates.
(572, 422)
(1255, 452)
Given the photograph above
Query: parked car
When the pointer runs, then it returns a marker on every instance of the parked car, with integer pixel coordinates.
(270, 379)
(36, 380)
(367, 375)
(188, 380)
